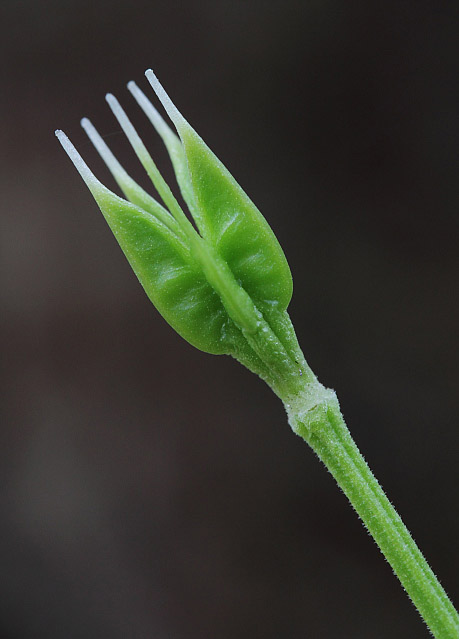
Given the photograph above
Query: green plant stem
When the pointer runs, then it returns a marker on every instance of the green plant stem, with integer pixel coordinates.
(322, 426)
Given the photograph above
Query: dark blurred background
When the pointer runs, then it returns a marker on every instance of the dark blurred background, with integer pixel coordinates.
(148, 489)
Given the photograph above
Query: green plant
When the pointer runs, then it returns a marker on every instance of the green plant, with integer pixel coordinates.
(224, 285)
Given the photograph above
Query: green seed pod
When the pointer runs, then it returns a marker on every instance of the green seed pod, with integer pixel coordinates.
(224, 287)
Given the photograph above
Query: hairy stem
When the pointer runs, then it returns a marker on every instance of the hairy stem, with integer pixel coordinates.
(318, 420)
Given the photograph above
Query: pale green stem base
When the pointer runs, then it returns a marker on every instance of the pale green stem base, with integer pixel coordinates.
(315, 416)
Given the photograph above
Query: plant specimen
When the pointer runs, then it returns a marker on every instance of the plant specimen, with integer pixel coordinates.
(224, 285)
